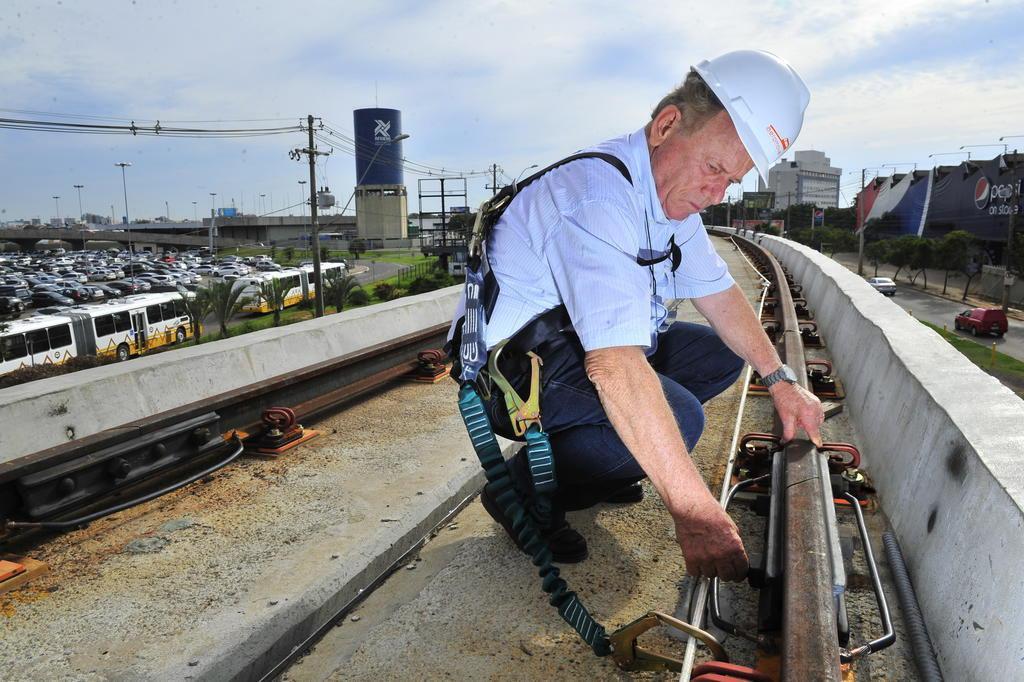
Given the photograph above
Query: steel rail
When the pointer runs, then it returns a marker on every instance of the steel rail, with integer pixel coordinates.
(810, 647)
(810, 561)
(311, 392)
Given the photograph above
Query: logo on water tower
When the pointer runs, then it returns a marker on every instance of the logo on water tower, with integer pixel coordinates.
(982, 193)
(382, 132)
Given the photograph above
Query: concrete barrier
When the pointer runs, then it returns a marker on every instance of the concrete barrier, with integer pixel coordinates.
(75, 405)
(943, 442)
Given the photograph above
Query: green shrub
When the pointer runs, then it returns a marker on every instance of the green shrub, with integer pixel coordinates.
(386, 291)
(359, 297)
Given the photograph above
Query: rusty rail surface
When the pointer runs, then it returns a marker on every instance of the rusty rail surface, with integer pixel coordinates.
(806, 530)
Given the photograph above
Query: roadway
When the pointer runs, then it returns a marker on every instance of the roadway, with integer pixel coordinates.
(940, 311)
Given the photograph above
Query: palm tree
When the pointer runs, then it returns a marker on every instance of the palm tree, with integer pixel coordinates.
(274, 292)
(338, 289)
(227, 300)
(199, 305)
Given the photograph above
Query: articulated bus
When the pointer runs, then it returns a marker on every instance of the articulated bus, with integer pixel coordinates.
(38, 340)
(123, 327)
(300, 280)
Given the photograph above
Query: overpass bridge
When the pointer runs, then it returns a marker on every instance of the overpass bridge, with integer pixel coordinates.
(143, 238)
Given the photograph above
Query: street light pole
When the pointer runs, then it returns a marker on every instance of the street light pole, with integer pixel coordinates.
(127, 220)
(195, 213)
(213, 220)
(1008, 254)
(56, 200)
(968, 146)
(81, 214)
(860, 225)
(302, 196)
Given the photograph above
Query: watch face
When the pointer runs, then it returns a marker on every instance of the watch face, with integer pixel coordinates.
(789, 374)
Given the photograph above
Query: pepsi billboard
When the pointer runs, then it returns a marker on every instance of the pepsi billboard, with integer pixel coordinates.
(378, 157)
(974, 196)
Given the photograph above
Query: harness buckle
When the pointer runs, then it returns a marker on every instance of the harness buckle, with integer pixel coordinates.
(629, 655)
(522, 413)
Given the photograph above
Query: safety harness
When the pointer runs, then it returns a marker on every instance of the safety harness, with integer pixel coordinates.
(477, 369)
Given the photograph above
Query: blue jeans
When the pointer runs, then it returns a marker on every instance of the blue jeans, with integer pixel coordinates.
(591, 462)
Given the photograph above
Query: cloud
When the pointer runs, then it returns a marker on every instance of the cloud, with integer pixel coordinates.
(512, 83)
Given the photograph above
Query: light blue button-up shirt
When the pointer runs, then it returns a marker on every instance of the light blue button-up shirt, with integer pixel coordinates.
(573, 236)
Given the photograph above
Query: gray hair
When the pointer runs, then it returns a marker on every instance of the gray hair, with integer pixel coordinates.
(695, 101)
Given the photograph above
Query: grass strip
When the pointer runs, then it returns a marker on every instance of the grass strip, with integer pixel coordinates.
(981, 355)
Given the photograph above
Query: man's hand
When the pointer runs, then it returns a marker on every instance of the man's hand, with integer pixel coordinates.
(711, 544)
(798, 408)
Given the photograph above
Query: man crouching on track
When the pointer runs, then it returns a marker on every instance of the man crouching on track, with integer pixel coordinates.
(623, 387)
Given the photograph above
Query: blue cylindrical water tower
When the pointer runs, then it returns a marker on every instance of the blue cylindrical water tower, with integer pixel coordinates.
(375, 128)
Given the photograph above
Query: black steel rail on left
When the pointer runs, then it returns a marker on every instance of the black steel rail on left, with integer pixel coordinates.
(107, 468)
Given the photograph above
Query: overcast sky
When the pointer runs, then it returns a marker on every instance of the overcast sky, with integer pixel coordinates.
(512, 83)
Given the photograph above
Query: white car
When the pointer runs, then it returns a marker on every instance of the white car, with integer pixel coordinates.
(225, 270)
(883, 285)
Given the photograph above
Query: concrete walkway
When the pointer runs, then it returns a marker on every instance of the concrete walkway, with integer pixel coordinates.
(204, 582)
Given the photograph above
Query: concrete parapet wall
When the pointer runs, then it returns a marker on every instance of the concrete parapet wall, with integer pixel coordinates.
(44, 413)
(943, 442)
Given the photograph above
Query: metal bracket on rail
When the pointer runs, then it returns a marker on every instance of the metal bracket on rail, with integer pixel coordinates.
(125, 458)
(809, 334)
(281, 432)
(431, 366)
(889, 635)
(821, 380)
(82, 521)
(629, 655)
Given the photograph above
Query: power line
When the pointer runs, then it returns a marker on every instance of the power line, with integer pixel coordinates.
(134, 129)
(403, 164)
(350, 145)
(33, 112)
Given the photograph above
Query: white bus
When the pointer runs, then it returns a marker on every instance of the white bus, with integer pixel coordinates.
(133, 325)
(37, 340)
(301, 286)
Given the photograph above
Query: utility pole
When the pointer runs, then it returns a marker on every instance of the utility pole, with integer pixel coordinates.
(1011, 223)
(789, 211)
(311, 153)
(494, 179)
(860, 225)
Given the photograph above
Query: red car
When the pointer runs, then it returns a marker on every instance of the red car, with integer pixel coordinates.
(982, 321)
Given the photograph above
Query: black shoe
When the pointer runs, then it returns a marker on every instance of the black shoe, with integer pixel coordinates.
(566, 545)
(628, 495)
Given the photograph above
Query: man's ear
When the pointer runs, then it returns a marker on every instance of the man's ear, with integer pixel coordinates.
(664, 124)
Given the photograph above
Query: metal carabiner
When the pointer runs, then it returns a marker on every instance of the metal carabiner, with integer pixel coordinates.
(522, 413)
(629, 655)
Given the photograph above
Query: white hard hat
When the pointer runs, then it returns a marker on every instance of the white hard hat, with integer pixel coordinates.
(764, 97)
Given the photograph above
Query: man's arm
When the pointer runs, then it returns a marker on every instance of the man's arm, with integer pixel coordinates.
(635, 403)
(737, 325)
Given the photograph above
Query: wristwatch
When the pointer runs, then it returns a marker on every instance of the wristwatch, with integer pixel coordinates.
(783, 373)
